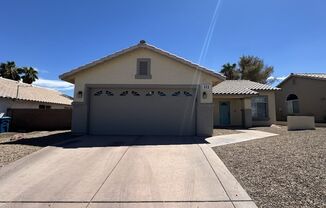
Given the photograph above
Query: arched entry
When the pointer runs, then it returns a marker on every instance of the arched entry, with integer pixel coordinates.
(292, 101)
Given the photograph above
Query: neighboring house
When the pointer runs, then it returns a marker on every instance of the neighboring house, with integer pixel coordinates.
(302, 94)
(18, 95)
(243, 103)
(142, 90)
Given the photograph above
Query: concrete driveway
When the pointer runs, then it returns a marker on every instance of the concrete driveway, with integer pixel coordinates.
(127, 172)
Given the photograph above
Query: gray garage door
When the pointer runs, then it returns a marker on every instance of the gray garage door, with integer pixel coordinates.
(142, 112)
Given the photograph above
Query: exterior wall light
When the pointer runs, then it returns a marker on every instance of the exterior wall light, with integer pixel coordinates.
(80, 94)
(204, 95)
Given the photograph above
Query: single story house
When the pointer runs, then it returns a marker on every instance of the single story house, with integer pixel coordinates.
(243, 103)
(144, 90)
(18, 95)
(302, 94)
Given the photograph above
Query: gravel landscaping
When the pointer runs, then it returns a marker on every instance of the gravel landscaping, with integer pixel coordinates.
(288, 170)
(14, 146)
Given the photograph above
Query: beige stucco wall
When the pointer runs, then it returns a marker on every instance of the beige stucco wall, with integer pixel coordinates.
(311, 94)
(235, 110)
(122, 70)
(6, 103)
(300, 122)
(239, 104)
(271, 109)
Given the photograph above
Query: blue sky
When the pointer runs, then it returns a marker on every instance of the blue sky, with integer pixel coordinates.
(57, 36)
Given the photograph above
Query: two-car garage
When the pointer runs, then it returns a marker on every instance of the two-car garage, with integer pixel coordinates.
(142, 90)
(142, 111)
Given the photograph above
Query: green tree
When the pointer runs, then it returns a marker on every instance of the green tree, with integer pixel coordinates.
(230, 71)
(253, 68)
(9, 70)
(248, 68)
(29, 75)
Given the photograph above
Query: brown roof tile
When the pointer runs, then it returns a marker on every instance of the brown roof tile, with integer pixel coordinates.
(312, 75)
(318, 76)
(18, 90)
(240, 87)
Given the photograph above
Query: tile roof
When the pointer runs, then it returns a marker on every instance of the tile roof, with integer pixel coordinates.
(318, 76)
(67, 76)
(312, 75)
(18, 90)
(240, 87)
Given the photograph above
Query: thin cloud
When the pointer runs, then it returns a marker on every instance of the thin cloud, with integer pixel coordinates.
(278, 79)
(41, 71)
(54, 84)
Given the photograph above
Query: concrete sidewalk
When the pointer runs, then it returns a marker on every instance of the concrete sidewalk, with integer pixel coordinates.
(245, 135)
(109, 172)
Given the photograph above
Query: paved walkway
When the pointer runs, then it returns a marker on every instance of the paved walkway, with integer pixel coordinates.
(245, 135)
(130, 172)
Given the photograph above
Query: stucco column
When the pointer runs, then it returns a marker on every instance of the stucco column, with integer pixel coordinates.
(205, 119)
(79, 118)
(247, 116)
(204, 109)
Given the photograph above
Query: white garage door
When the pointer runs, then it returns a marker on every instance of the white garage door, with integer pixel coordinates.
(142, 112)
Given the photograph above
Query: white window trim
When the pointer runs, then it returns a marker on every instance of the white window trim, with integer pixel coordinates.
(290, 108)
(267, 110)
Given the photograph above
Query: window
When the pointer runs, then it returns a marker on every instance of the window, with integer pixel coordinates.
(124, 93)
(134, 93)
(160, 93)
(98, 93)
(177, 93)
(151, 93)
(187, 93)
(108, 93)
(143, 68)
(44, 107)
(292, 104)
(259, 107)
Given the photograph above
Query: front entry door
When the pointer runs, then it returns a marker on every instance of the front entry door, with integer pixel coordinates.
(224, 113)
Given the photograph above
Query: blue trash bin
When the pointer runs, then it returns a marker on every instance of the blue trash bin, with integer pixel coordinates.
(4, 124)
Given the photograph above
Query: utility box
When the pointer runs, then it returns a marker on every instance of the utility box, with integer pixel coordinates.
(206, 93)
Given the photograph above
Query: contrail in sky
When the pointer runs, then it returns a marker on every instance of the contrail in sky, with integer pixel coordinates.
(210, 32)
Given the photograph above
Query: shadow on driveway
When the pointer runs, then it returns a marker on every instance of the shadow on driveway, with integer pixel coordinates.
(66, 140)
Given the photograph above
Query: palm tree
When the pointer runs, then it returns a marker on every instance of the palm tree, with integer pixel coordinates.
(230, 71)
(29, 75)
(253, 68)
(10, 71)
